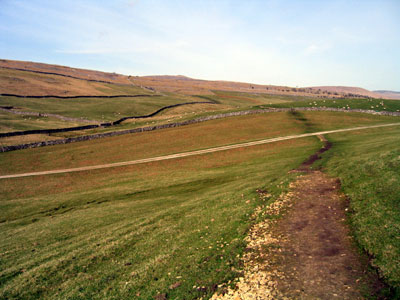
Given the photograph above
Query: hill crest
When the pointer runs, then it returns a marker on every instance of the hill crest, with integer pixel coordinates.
(168, 83)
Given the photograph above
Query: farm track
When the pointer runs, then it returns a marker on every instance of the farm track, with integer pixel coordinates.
(192, 153)
(307, 254)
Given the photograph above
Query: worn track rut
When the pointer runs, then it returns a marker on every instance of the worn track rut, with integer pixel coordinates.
(309, 253)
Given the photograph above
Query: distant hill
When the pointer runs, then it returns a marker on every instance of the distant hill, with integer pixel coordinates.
(37, 79)
(388, 94)
(67, 71)
(22, 77)
(171, 77)
(348, 90)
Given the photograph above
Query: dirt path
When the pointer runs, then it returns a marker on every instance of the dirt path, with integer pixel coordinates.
(320, 259)
(307, 254)
(191, 153)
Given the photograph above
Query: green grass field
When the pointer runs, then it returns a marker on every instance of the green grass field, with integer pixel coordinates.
(136, 231)
(13, 122)
(116, 233)
(243, 100)
(187, 138)
(105, 110)
(98, 109)
(370, 104)
(368, 164)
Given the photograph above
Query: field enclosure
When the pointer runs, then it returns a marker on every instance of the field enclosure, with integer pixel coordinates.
(136, 231)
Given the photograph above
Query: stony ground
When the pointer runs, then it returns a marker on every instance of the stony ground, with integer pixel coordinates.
(306, 254)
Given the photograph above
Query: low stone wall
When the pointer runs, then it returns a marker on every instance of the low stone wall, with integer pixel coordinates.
(78, 128)
(79, 96)
(11, 110)
(158, 111)
(184, 123)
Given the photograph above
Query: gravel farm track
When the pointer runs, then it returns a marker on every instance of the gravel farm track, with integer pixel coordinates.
(192, 153)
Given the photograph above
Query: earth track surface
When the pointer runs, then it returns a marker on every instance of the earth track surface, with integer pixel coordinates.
(307, 254)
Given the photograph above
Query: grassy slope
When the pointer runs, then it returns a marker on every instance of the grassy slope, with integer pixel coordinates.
(112, 109)
(371, 104)
(243, 100)
(12, 122)
(368, 164)
(197, 136)
(94, 109)
(141, 233)
(116, 233)
(29, 83)
(193, 111)
(134, 231)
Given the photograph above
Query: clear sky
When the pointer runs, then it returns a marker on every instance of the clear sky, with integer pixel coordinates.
(295, 43)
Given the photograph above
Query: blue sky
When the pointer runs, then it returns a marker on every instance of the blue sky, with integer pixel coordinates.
(295, 43)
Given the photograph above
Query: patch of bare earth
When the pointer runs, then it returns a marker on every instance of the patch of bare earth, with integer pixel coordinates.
(318, 256)
(306, 254)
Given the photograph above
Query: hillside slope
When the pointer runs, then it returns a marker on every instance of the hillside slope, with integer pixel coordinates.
(61, 80)
(73, 72)
(348, 90)
(388, 94)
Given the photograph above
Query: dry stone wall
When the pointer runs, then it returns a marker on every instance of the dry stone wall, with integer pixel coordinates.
(184, 123)
(79, 96)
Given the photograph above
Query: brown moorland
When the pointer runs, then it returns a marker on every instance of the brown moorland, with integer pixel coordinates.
(74, 72)
(35, 84)
(165, 83)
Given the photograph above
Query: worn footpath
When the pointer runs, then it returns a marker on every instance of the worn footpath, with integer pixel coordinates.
(306, 254)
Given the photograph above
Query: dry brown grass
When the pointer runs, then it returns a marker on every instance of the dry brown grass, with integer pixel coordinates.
(343, 90)
(176, 84)
(81, 73)
(25, 139)
(149, 144)
(25, 83)
(184, 85)
(29, 83)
